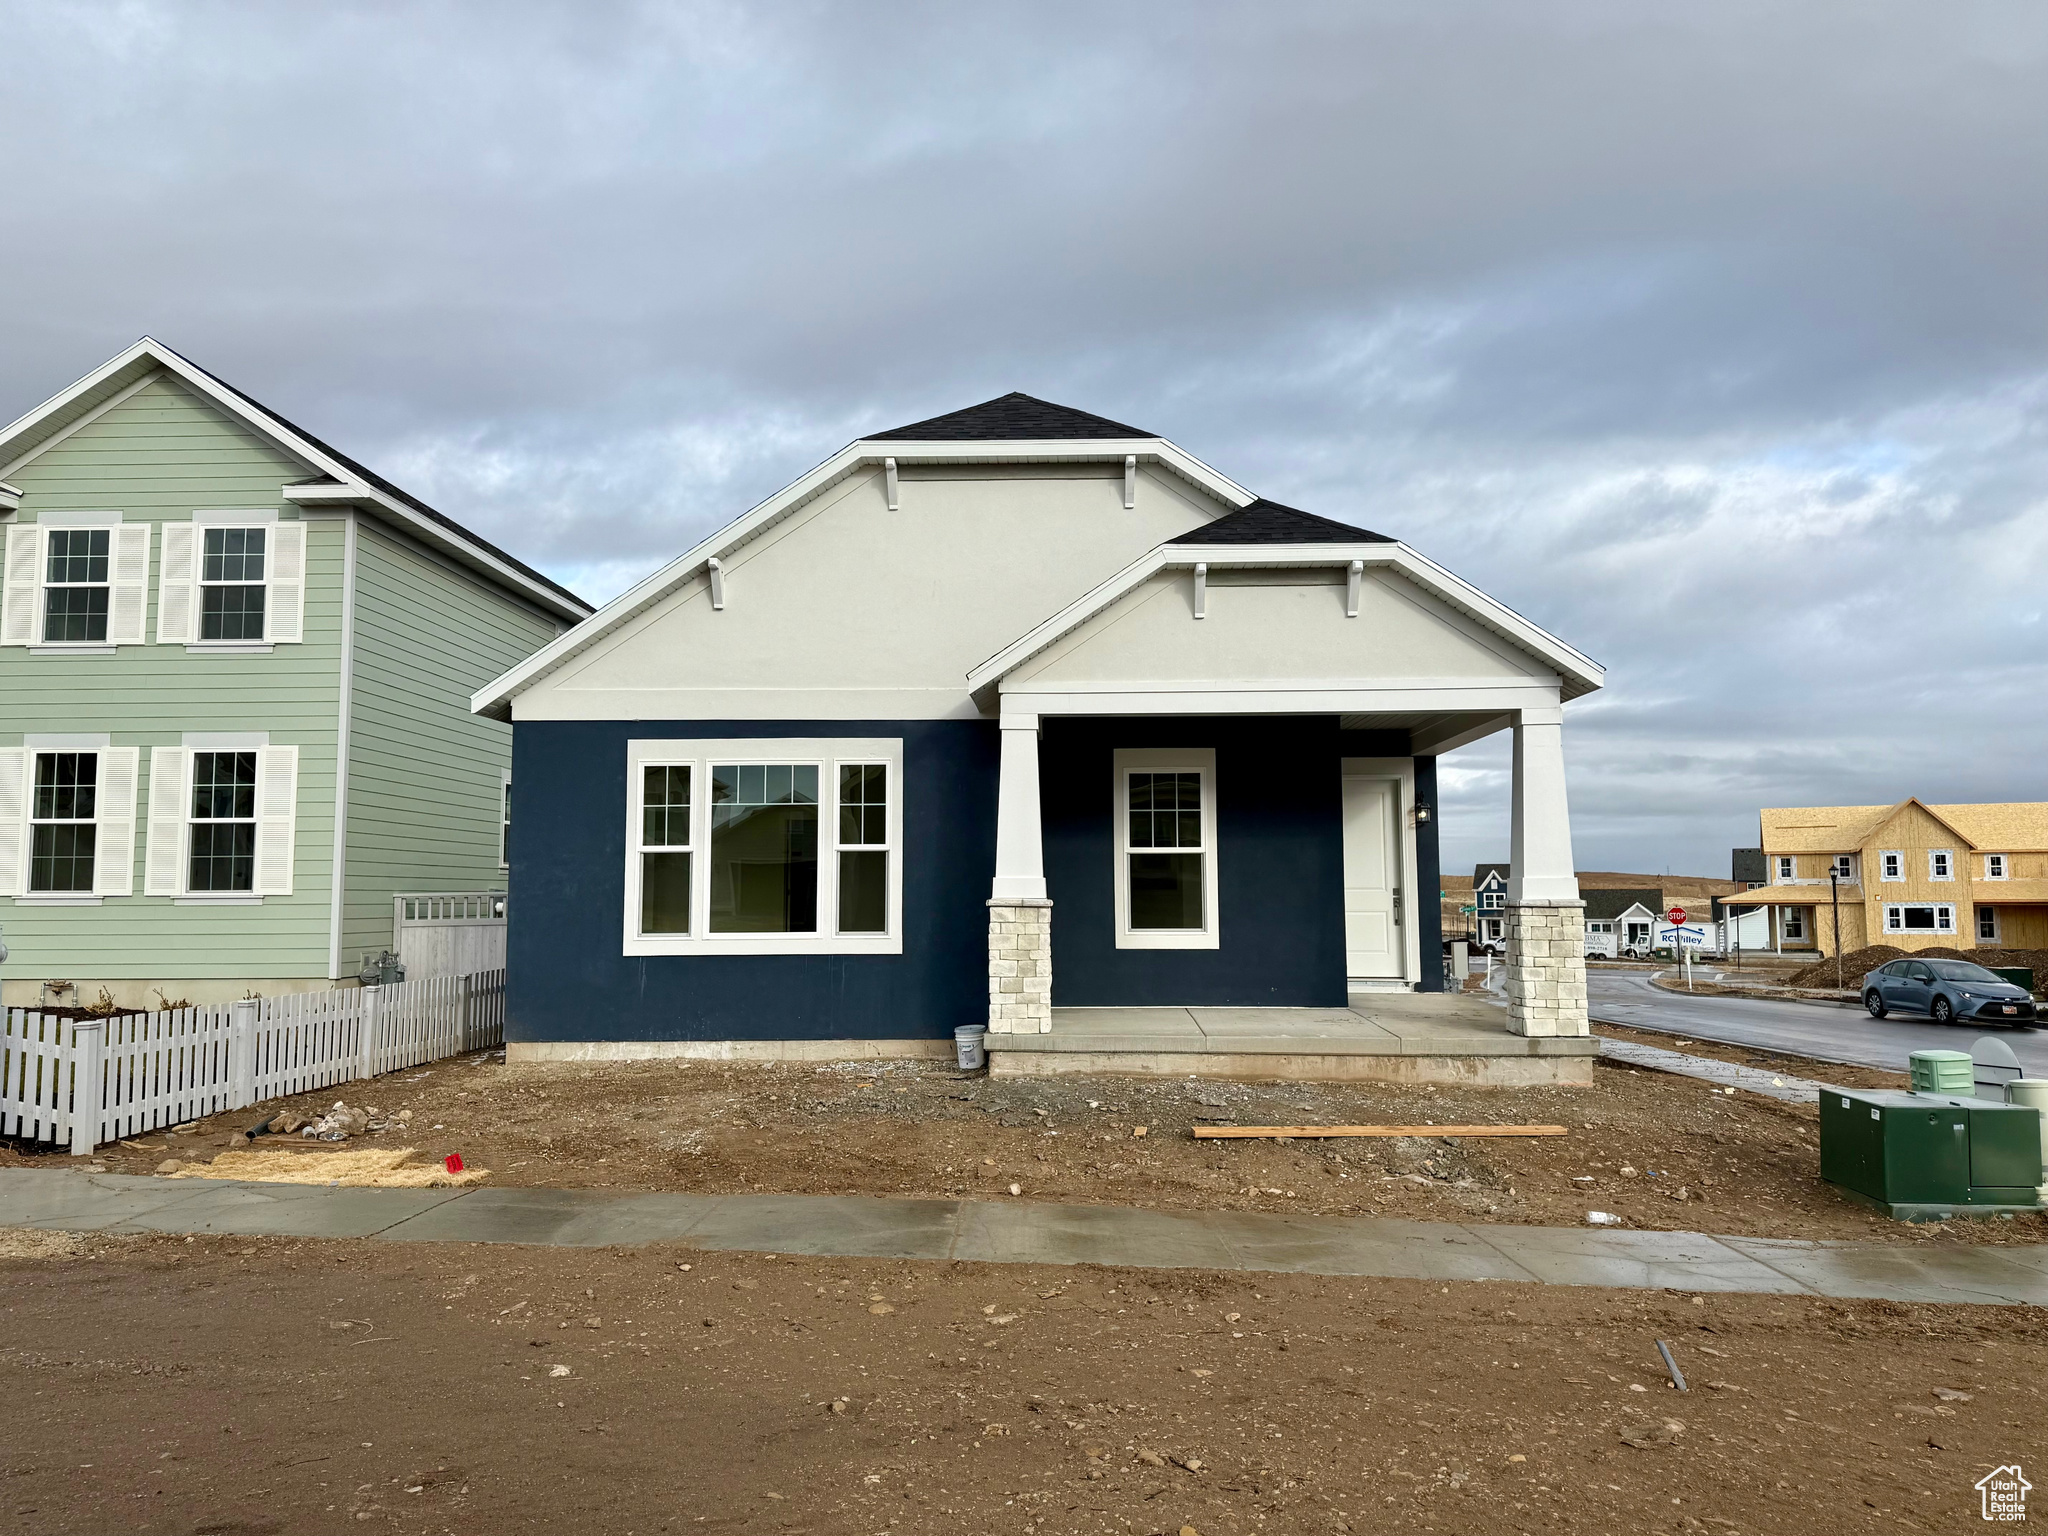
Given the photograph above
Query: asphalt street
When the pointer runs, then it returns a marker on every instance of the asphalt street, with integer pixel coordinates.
(1806, 1029)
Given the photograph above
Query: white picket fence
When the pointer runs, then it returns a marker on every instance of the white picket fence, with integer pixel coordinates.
(88, 1081)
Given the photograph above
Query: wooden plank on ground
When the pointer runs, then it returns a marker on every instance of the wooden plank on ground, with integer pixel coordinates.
(1204, 1132)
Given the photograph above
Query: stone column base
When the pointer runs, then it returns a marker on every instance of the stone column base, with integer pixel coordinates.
(1547, 968)
(1019, 966)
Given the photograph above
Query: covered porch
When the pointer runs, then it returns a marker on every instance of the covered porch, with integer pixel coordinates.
(1216, 825)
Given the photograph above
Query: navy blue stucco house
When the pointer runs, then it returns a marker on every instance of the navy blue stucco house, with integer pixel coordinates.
(1009, 712)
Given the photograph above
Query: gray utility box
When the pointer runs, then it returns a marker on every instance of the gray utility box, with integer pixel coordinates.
(1929, 1156)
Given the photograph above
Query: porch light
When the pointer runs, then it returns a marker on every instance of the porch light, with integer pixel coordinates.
(1422, 815)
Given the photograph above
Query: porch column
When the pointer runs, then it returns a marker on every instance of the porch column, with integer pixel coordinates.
(1546, 919)
(1019, 915)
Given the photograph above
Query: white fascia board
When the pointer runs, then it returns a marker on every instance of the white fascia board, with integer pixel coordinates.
(495, 698)
(324, 494)
(132, 367)
(10, 497)
(1578, 673)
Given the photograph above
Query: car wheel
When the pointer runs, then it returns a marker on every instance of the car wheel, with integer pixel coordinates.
(1874, 1003)
(1943, 1010)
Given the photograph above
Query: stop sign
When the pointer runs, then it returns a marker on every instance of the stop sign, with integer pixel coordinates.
(1675, 916)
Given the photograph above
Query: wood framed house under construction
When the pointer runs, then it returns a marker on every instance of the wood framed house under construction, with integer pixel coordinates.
(1912, 875)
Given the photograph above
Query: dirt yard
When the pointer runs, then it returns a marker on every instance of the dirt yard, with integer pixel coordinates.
(239, 1387)
(1661, 1151)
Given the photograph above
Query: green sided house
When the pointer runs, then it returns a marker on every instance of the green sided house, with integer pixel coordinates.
(235, 671)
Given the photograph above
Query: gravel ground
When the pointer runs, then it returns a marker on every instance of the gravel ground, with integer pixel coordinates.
(1661, 1151)
(239, 1387)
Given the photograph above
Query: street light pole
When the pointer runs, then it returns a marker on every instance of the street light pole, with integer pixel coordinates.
(1835, 896)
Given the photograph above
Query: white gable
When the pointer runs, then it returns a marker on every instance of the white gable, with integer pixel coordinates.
(846, 609)
(1264, 625)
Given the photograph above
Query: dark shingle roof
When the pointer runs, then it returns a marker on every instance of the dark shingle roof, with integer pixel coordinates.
(1267, 522)
(1014, 417)
(1481, 871)
(1605, 906)
(372, 478)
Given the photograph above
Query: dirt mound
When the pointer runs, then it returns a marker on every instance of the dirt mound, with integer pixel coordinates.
(1856, 961)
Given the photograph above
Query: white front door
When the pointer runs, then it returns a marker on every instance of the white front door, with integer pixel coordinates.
(1373, 941)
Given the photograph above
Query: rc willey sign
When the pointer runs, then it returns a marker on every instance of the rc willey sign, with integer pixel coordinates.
(2005, 1495)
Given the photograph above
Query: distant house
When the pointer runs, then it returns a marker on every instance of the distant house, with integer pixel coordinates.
(1620, 922)
(1490, 896)
(1911, 875)
(235, 668)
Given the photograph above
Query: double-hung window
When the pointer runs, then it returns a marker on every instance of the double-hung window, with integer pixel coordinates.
(67, 819)
(75, 580)
(1987, 925)
(223, 836)
(1891, 865)
(77, 585)
(1940, 864)
(63, 824)
(232, 580)
(222, 818)
(231, 584)
(1786, 865)
(1493, 901)
(1994, 866)
(1793, 924)
(1165, 878)
(1844, 867)
(773, 846)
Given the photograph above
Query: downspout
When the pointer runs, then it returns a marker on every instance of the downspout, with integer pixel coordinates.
(341, 741)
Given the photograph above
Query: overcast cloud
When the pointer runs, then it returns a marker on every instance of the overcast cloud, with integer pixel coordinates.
(1712, 338)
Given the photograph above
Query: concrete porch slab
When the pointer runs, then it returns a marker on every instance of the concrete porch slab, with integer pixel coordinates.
(1398, 1037)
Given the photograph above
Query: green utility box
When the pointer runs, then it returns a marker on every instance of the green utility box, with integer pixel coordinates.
(1927, 1156)
(2018, 975)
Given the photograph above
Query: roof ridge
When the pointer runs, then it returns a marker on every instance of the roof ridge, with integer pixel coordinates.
(1015, 417)
(1265, 521)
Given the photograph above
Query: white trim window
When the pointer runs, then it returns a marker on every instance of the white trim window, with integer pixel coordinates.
(1941, 864)
(1493, 901)
(1844, 867)
(1891, 865)
(781, 845)
(1792, 924)
(67, 821)
(222, 821)
(1987, 925)
(1786, 864)
(1166, 879)
(1994, 866)
(76, 581)
(1919, 917)
(232, 580)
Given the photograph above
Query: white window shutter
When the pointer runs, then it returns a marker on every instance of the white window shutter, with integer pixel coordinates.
(175, 592)
(287, 582)
(14, 788)
(19, 610)
(277, 800)
(113, 865)
(170, 775)
(128, 604)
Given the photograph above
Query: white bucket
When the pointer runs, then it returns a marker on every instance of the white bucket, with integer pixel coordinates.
(969, 1042)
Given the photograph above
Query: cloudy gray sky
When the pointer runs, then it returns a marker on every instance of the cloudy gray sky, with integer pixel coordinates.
(1713, 338)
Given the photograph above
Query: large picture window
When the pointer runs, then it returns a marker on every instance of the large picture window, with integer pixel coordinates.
(1919, 917)
(1166, 849)
(776, 846)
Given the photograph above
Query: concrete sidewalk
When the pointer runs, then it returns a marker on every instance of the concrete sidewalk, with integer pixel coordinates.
(1023, 1232)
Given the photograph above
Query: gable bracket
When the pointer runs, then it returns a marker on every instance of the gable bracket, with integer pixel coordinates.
(1201, 589)
(717, 582)
(1353, 585)
(1130, 481)
(889, 477)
